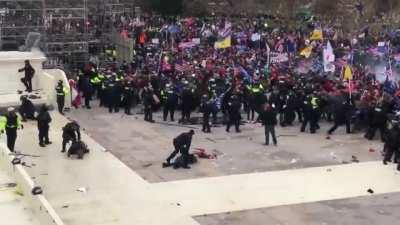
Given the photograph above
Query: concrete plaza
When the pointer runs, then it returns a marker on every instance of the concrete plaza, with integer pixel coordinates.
(306, 180)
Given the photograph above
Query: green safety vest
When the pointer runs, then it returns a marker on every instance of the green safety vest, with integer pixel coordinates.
(3, 123)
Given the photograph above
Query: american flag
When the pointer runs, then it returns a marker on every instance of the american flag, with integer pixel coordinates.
(182, 67)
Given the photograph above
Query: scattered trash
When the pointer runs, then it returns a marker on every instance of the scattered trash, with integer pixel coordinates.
(287, 135)
(65, 206)
(44, 174)
(178, 204)
(370, 191)
(345, 162)
(147, 165)
(328, 138)
(354, 159)
(82, 189)
(212, 140)
(293, 161)
(372, 150)
(333, 155)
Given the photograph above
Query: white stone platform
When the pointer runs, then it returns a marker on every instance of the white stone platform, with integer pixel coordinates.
(13, 210)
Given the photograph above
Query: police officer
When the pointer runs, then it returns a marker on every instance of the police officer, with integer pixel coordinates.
(43, 120)
(187, 103)
(234, 113)
(170, 98)
(148, 102)
(128, 94)
(61, 93)
(10, 123)
(308, 115)
(29, 73)
(342, 115)
(378, 121)
(113, 95)
(71, 132)
(392, 144)
(27, 109)
(206, 108)
(182, 145)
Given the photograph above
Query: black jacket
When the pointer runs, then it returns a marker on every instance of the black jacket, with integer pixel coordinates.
(43, 119)
(29, 71)
(184, 139)
(268, 118)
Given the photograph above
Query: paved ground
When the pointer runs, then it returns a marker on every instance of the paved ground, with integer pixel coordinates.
(143, 147)
(382, 209)
(253, 183)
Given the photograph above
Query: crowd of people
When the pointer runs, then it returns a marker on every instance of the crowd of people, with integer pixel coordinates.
(224, 67)
(227, 68)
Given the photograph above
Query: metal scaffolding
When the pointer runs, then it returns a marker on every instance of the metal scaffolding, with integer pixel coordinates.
(17, 19)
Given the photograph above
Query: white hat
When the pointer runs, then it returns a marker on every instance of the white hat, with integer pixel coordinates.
(11, 109)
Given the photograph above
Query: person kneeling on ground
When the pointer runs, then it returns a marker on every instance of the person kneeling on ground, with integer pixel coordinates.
(71, 132)
(182, 145)
(78, 148)
(27, 109)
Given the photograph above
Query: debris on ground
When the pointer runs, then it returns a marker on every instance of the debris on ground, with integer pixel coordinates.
(354, 159)
(82, 189)
(293, 161)
(212, 140)
(147, 165)
(65, 206)
(372, 150)
(178, 204)
(370, 191)
(328, 138)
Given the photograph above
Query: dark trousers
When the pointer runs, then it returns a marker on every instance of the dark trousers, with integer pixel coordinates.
(185, 115)
(44, 135)
(313, 124)
(66, 140)
(270, 129)
(127, 108)
(11, 138)
(206, 122)
(389, 152)
(87, 101)
(61, 103)
(233, 122)
(113, 106)
(168, 109)
(372, 130)
(250, 114)
(336, 125)
(148, 113)
(178, 149)
(28, 83)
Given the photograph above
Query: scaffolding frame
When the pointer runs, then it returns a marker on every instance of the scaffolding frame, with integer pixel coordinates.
(18, 18)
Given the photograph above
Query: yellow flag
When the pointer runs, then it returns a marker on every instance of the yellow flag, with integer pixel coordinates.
(348, 74)
(306, 52)
(226, 43)
(316, 35)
